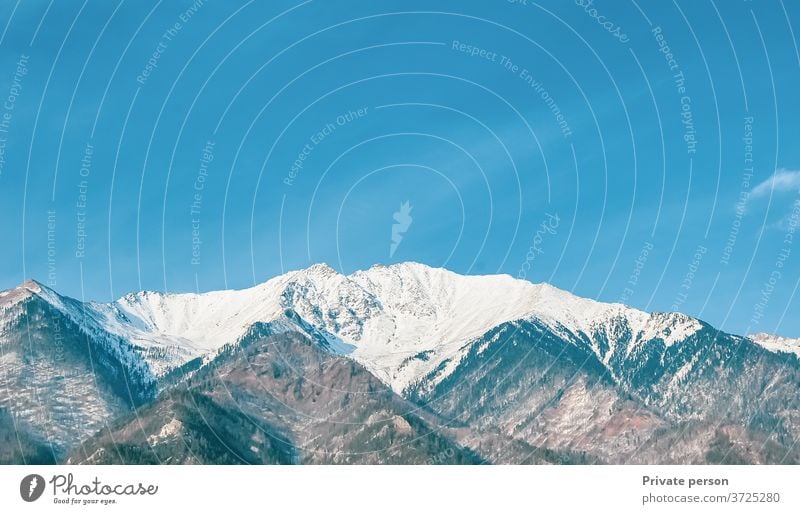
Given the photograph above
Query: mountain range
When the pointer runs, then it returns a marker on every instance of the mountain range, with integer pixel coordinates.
(397, 364)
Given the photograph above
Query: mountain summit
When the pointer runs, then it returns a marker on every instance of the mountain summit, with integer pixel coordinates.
(382, 317)
(498, 354)
(385, 317)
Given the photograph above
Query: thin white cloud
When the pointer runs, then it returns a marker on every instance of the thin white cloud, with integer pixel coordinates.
(780, 182)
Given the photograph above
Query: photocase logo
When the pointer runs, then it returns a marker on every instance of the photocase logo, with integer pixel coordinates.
(31, 487)
(403, 219)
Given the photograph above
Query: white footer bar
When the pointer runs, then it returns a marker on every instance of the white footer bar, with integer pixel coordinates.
(388, 489)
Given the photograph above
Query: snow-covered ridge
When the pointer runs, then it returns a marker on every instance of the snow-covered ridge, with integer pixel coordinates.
(775, 343)
(81, 316)
(400, 321)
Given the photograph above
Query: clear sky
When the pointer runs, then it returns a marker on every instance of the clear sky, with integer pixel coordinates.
(643, 152)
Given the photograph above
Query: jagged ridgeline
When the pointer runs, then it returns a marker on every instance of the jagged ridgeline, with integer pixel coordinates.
(397, 364)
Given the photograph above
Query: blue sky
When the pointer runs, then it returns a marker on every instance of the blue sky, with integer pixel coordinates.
(187, 145)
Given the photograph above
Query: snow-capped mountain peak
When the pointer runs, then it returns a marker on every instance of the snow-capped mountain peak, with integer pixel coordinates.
(401, 321)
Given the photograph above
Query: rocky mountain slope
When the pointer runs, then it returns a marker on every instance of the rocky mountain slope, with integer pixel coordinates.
(498, 369)
(61, 377)
(714, 397)
(276, 399)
